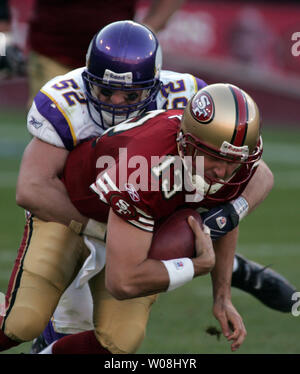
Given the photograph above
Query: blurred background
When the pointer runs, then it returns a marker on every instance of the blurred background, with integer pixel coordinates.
(244, 42)
(254, 44)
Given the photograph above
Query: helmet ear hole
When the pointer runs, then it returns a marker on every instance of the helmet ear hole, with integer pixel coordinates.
(124, 55)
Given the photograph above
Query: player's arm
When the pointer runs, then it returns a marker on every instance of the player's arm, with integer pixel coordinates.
(253, 195)
(39, 188)
(259, 186)
(129, 273)
(230, 321)
(160, 12)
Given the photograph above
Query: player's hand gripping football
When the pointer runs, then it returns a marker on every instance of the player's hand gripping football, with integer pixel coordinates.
(205, 255)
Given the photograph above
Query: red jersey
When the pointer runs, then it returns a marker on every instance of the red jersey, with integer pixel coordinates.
(135, 169)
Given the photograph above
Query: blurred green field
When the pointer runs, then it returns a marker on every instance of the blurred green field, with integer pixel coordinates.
(270, 235)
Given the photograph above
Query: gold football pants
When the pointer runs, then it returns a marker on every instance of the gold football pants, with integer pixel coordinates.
(40, 70)
(48, 260)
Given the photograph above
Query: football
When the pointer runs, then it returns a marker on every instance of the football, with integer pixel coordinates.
(174, 237)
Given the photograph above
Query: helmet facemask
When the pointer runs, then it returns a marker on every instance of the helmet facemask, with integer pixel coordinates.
(189, 145)
(113, 114)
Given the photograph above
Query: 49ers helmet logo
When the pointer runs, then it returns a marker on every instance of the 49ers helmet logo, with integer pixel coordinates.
(202, 107)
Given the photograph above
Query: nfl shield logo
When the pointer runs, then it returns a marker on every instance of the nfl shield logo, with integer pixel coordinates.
(221, 222)
(178, 264)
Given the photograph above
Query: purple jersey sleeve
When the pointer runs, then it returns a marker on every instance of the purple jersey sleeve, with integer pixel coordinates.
(200, 83)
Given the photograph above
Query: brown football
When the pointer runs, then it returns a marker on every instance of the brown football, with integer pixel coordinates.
(174, 237)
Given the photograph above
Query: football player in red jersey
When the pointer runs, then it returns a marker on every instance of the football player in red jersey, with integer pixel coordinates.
(84, 102)
(60, 119)
(226, 131)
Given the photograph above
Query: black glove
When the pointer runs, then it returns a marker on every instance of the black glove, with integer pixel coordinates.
(220, 220)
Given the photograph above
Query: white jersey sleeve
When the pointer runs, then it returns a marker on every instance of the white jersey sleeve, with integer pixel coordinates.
(59, 113)
(177, 89)
(41, 128)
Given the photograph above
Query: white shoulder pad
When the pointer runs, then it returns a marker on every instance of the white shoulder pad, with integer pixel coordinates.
(177, 89)
(63, 104)
(180, 81)
(41, 128)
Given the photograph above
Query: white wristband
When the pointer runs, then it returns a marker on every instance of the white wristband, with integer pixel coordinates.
(241, 206)
(180, 270)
